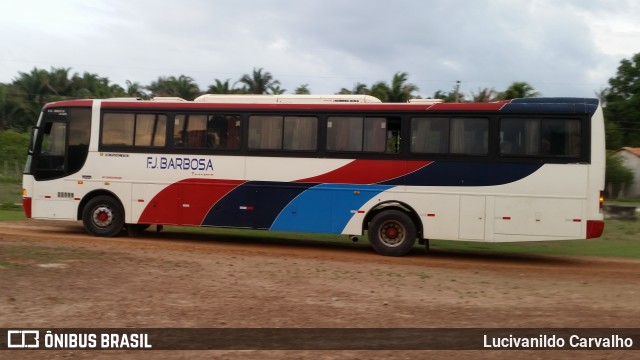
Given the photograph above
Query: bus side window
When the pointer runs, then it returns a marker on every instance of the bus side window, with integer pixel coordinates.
(118, 129)
(469, 136)
(369, 134)
(540, 137)
(429, 135)
(189, 131)
(223, 132)
(151, 130)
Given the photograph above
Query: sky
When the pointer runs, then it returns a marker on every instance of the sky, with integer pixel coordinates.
(561, 48)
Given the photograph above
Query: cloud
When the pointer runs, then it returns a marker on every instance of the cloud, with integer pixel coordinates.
(567, 48)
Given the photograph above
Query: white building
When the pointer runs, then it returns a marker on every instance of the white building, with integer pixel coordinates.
(631, 159)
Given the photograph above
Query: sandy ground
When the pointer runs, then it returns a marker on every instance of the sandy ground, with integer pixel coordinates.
(54, 275)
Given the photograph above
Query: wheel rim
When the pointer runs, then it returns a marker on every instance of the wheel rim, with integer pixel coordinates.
(392, 233)
(102, 216)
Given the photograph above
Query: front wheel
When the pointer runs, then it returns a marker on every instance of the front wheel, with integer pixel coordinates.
(103, 216)
(392, 233)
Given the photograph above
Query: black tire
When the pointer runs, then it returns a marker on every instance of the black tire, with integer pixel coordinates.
(103, 216)
(392, 233)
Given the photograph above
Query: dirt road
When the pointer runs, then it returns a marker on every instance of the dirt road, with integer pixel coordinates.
(52, 274)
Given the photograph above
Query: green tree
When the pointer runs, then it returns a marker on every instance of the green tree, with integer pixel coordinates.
(134, 89)
(12, 108)
(518, 89)
(91, 86)
(397, 91)
(380, 90)
(221, 87)
(451, 96)
(485, 95)
(182, 86)
(276, 90)
(622, 112)
(259, 82)
(358, 89)
(616, 175)
(302, 90)
(30, 92)
(400, 91)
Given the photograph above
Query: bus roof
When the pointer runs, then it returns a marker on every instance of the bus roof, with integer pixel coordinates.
(340, 102)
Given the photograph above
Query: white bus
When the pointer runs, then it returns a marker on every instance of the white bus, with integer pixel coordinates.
(517, 170)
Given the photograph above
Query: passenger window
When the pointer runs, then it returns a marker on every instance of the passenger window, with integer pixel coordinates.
(430, 135)
(468, 136)
(540, 137)
(370, 134)
(296, 133)
(117, 129)
(144, 130)
(300, 133)
(223, 132)
(151, 130)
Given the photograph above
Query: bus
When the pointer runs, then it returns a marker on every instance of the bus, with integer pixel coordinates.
(529, 169)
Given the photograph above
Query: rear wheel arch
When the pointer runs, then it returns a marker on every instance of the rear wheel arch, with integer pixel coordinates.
(394, 205)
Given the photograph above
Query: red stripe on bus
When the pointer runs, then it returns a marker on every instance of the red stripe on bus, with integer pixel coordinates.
(367, 172)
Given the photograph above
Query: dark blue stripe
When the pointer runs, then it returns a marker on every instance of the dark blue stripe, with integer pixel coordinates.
(262, 202)
(552, 105)
(466, 174)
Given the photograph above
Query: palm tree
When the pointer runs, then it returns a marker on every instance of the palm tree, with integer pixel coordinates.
(258, 83)
(303, 90)
(380, 90)
(276, 90)
(134, 89)
(400, 91)
(34, 86)
(59, 83)
(186, 87)
(485, 95)
(519, 89)
(182, 86)
(221, 88)
(90, 86)
(358, 89)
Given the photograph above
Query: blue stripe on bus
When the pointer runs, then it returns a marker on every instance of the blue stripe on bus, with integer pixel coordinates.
(308, 212)
(254, 204)
(466, 174)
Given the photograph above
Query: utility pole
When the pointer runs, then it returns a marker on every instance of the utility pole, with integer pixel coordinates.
(457, 91)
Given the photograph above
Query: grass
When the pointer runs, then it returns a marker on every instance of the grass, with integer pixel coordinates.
(621, 239)
(11, 214)
(10, 192)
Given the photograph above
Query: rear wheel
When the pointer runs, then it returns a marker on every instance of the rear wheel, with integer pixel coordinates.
(103, 216)
(392, 233)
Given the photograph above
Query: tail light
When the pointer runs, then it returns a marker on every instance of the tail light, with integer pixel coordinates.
(601, 200)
